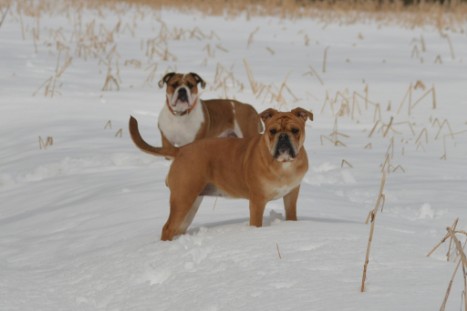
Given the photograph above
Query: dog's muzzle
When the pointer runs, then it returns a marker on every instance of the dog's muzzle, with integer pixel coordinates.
(284, 150)
(182, 95)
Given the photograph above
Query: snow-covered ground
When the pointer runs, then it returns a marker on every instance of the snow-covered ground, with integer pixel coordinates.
(80, 220)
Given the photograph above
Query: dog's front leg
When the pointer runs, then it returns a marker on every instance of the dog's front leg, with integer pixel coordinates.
(290, 204)
(257, 206)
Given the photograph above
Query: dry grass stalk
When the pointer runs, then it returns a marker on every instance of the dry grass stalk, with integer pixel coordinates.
(209, 50)
(431, 91)
(372, 217)
(313, 73)
(419, 85)
(452, 135)
(119, 133)
(325, 57)
(447, 236)
(409, 125)
(445, 154)
(368, 146)
(225, 79)
(152, 76)
(415, 52)
(452, 235)
(407, 96)
(334, 136)
(23, 33)
(448, 254)
(108, 125)
(388, 127)
(278, 251)
(344, 109)
(383, 127)
(250, 37)
(375, 126)
(422, 43)
(220, 47)
(4, 14)
(423, 133)
(445, 123)
(112, 77)
(50, 84)
(448, 290)
(377, 114)
(110, 82)
(43, 144)
(253, 84)
(327, 101)
(451, 49)
(438, 59)
(398, 167)
(346, 163)
(390, 149)
(133, 62)
(449, 15)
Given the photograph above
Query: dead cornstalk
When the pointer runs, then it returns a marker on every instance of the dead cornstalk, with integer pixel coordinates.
(278, 251)
(372, 217)
(325, 58)
(454, 240)
(4, 16)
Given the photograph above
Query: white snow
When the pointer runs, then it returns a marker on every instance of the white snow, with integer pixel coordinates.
(80, 221)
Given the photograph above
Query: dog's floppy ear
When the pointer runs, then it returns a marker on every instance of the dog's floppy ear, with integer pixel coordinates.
(166, 79)
(267, 114)
(303, 113)
(198, 79)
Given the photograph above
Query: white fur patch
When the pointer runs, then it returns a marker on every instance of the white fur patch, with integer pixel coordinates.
(181, 130)
(282, 191)
(276, 189)
(236, 129)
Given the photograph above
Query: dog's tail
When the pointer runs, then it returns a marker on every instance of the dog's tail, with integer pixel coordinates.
(141, 144)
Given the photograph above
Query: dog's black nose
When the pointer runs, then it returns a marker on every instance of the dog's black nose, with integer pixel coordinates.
(283, 136)
(182, 94)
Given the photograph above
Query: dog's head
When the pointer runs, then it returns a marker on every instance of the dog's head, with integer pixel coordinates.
(285, 132)
(182, 91)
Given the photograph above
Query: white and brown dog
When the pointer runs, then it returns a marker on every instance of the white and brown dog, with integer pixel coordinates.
(186, 118)
(261, 168)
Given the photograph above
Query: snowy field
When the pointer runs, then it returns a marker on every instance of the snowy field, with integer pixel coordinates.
(80, 219)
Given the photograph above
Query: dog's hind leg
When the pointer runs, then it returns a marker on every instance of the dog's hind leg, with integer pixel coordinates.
(191, 213)
(182, 212)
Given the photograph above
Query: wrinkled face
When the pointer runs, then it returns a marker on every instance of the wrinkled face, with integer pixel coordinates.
(182, 90)
(284, 136)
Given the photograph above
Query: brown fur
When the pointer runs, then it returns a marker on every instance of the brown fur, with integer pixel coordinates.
(238, 168)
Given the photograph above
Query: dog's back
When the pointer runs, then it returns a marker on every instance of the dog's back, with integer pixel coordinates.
(242, 119)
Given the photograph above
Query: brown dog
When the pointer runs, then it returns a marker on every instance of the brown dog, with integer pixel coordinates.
(262, 168)
(186, 118)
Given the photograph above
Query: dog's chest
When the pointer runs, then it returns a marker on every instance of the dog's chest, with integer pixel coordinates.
(181, 130)
(283, 183)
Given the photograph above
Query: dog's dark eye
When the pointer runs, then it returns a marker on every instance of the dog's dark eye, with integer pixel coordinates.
(175, 85)
(295, 130)
(189, 85)
(273, 131)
